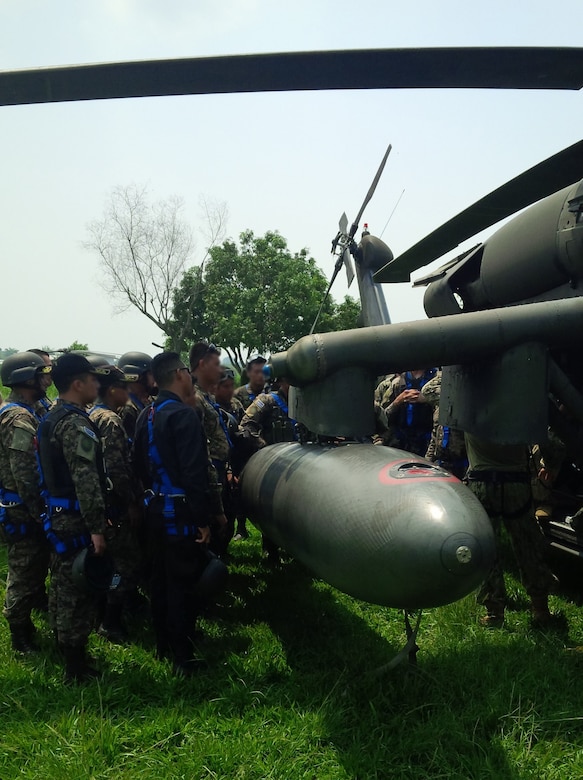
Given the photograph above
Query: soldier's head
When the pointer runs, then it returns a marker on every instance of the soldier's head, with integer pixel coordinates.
(46, 380)
(113, 386)
(75, 379)
(171, 374)
(205, 363)
(255, 375)
(226, 387)
(26, 372)
(140, 364)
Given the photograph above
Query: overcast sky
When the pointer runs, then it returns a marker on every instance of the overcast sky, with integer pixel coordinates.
(287, 162)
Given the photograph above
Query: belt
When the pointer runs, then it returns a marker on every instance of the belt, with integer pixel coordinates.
(498, 477)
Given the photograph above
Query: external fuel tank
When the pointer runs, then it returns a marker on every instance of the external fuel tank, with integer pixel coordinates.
(376, 523)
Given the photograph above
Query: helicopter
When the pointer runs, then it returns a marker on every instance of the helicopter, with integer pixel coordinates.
(438, 529)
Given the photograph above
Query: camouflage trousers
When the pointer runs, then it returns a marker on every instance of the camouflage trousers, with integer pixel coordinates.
(124, 546)
(510, 504)
(72, 611)
(28, 564)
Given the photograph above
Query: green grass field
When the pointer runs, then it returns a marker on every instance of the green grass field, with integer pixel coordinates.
(291, 692)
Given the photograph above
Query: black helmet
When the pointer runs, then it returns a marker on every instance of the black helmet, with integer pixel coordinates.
(96, 360)
(93, 573)
(213, 578)
(21, 367)
(135, 363)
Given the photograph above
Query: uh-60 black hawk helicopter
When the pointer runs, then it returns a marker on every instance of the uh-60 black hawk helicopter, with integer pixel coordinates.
(375, 522)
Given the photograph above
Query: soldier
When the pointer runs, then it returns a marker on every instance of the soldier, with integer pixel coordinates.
(21, 504)
(44, 403)
(206, 370)
(265, 422)
(499, 476)
(123, 496)
(383, 386)
(170, 456)
(447, 447)
(408, 413)
(224, 395)
(255, 385)
(141, 392)
(71, 461)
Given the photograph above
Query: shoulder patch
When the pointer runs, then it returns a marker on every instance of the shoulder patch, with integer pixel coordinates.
(90, 433)
(260, 404)
(22, 438)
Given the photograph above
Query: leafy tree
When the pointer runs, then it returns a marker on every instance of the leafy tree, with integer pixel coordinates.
(76, 345)
(6, 352)
(257, 296)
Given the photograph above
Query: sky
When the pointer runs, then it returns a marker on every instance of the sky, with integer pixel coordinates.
(291, 162)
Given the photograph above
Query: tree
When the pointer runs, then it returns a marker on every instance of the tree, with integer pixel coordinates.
(258, 297)
(145, 248)
(75, 347)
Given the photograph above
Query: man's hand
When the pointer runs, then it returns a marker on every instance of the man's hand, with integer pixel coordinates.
(204, 535)
(98, 542)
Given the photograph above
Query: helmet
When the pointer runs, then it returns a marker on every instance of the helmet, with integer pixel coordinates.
(135, 363)
(212, 579)
(22, 366)
(96, 360)
(93, 573)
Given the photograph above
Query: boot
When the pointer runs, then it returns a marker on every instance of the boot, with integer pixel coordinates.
(77, 669)
(112, 627)
(539, 608)
(494, 617)
(22, 638)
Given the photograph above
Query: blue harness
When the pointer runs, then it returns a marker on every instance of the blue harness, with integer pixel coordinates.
(8, 498)
(217, 409)
(163, 485)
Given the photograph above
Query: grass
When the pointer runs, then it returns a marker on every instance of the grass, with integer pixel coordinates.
(291, 692)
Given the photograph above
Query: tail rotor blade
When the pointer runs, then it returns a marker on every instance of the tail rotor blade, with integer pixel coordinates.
(370, 193)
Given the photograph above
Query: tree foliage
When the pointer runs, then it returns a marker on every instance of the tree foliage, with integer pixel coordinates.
(257, 296)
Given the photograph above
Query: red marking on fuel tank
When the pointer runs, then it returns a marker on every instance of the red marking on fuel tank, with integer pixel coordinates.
(400, 471)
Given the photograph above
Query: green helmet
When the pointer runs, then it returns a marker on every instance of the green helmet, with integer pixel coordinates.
(93, 573)
(21, 367)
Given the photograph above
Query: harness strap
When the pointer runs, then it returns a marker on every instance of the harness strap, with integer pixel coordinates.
(64, 546)
(163, 487)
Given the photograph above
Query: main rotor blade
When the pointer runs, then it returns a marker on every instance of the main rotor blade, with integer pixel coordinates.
(460, 68)
(370, 193)
(538, 182)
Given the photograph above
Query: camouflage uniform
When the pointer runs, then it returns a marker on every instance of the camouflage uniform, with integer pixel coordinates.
(383, 386)
(218, 452)
(447, 446)
(130, 413)
(246, 396)
(410, 427)
(28, 550)
(549, 455)
(123, 492)
(266, 420)
(499, 477)
(71, 451)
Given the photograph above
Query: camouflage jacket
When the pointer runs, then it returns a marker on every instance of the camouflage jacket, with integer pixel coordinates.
(80, 447)
(130, 412)
(383, 386)
(18, 465)
(266, 422)
(246, 396)
(447, 444)
(211, 423)
(123, 488)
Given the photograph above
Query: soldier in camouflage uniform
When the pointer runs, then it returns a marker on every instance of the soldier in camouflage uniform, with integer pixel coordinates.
(383, 386)
(22, 506)
(409, 415)
(124, 497)
(206, 370)
(71, 460)
(265, 422)
(44, 403)
(140, 392)
(447, 447)
(499, 477)
(255, 385)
